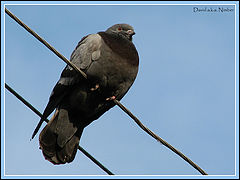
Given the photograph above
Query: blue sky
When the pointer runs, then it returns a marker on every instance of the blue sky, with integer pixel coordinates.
(184, 91)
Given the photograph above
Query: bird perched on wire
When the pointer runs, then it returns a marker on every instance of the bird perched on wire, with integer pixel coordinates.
(110, 61)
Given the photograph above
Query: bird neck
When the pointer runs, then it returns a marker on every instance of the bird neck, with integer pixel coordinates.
(121, 46)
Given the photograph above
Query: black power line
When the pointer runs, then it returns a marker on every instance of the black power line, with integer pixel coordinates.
(46, 120)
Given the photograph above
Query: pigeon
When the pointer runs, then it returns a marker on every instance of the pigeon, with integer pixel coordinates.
(110, 61)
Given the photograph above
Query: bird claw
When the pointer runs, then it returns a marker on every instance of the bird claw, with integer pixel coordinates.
(95, 88)
(110, 98)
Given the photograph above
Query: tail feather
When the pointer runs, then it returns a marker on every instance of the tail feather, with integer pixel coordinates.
(60, 147)
(67, 154)
(65, 129)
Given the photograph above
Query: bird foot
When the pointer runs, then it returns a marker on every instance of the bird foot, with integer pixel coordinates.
(110, 98)
(95, 88)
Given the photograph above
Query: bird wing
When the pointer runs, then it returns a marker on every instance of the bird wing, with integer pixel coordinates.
(83, 56)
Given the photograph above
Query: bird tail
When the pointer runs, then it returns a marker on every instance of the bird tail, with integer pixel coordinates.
(59, 139)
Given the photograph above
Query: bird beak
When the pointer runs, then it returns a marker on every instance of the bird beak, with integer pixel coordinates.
(130, 32)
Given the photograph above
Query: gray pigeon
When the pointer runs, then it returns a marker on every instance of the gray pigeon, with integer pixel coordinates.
(110, 61)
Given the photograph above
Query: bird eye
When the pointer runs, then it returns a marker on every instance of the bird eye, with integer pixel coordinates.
(119, 28)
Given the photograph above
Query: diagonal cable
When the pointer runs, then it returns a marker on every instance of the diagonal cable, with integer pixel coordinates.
(46, 120)
(115, 101)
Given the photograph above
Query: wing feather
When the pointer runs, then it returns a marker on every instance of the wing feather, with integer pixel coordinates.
(88, 47)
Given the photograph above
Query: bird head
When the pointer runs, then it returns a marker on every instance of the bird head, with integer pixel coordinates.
(124, 30)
